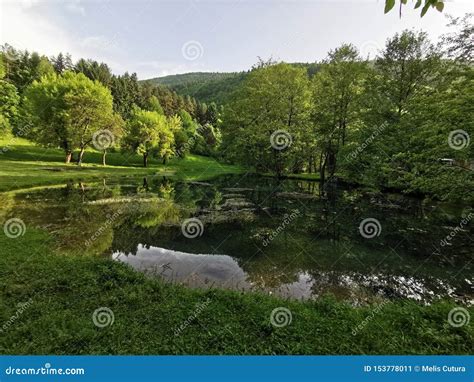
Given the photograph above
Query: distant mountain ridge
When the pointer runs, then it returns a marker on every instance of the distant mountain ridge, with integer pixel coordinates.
(212, 86)
(204, 86)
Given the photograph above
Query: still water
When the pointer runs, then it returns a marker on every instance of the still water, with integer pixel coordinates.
(288, 238)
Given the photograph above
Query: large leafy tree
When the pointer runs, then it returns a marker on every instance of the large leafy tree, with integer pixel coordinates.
(337, 91)
(66, 110)
(149, 133)
(271, 105)
(408, 65)
(9, 100)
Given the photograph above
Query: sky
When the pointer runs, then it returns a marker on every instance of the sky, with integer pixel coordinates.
(161, 37)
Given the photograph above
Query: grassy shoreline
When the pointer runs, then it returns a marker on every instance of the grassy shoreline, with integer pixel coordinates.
(152, 317)
(23, 165)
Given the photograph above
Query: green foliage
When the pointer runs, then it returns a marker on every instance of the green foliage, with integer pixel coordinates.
(459, 45)
(94, 71)
(65, 111)
(438, 4)
(45, 166)
(61, 63)
(337, 91)
(149, 133)
(152, 104)
(273, 100)
(9, 101)
(21, 68)
(206, 87)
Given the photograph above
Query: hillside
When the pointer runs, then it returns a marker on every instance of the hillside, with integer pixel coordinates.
(205, 87)
(212, 87)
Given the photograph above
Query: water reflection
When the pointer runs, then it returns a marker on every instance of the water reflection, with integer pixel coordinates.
(222, 271)
(251, 243)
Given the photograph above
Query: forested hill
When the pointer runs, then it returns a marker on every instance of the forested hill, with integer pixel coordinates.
(205, 87)
(211, 87)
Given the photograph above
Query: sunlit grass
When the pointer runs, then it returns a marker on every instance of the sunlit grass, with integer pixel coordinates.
(24, 164)
(64, 291)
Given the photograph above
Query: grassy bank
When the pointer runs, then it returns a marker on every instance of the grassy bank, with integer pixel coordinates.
(62, 293)
(23, 164)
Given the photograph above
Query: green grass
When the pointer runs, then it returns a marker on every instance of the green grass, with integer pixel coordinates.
(66, 290)
(23, 164)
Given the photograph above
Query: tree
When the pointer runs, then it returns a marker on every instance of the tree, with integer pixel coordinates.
(110, 136)
(94, 71)
(9, 101)
(406, 65)
(61, 63)
(148, 133)
(21, 68)
(152, 104)
(459, 45)
(408, 69)
(65, 111)
(267, 123)
(212, 114)
(126, 94)
(337, 89)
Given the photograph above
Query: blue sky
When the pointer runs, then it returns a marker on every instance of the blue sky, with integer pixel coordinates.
(157, 37)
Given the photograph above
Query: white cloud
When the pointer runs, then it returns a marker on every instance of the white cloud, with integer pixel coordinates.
(75, 7)
(100, 43)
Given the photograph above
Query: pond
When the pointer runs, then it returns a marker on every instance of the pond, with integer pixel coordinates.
(290, 238)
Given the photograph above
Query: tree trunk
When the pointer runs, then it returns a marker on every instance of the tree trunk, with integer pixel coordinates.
(68, 156)
(145, 159)
(322, 168)
(104, 153)
(81, 154)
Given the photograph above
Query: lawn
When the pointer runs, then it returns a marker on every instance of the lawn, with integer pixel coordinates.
(61, 293)
(23, 164)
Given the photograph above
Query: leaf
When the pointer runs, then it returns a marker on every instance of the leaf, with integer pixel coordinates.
(425, 8)
(418, 4)
(389, 4)
(440, 6)
(403, 1)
